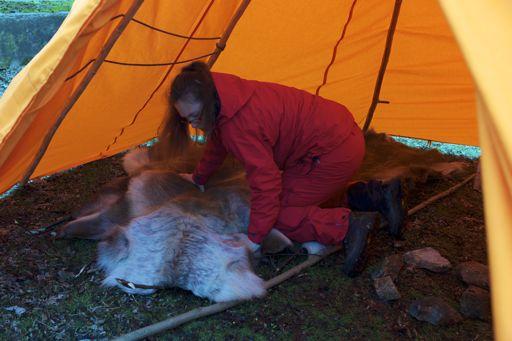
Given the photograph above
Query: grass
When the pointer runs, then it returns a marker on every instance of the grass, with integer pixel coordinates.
(41, 6)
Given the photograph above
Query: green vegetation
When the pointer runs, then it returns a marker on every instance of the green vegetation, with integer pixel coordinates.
(42, 6)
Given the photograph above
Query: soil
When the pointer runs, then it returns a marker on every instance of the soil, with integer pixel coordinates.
(58, 285)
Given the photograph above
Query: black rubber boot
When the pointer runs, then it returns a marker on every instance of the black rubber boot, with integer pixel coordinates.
(385, 198)
(360, 228)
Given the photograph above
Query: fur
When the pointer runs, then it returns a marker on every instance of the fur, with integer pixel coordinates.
(169, 248)
(156, 229)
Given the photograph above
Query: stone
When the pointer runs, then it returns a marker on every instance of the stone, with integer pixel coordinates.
(476, 303)
(474, 273)
(390, 266)
(435, 311)
(386, 289)
(17, 310)
(427, 258)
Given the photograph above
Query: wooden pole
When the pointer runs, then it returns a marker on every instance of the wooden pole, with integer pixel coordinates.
(383, 65)
(222, 42)
(477, 182)
(176, 321)
(440, 195)
(81, 88)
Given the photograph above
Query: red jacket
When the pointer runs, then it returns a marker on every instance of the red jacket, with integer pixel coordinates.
(270, 128)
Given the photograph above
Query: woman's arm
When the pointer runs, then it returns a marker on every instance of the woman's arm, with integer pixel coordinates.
(264, 178)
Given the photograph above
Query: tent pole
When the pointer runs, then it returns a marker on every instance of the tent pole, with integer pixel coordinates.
(225, 36)
(81, 88)
(383, 65)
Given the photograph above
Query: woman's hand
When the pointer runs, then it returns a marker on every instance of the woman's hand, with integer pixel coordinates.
(190, 178)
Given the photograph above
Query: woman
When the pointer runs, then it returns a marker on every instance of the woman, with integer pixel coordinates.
(297, 150)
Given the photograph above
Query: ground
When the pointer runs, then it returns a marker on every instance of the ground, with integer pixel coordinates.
(43, 276)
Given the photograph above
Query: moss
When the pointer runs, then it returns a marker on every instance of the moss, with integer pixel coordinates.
(43, 6)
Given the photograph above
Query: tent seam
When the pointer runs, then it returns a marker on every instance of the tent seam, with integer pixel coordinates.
(137, 64)
(335, 49)
(161, 82)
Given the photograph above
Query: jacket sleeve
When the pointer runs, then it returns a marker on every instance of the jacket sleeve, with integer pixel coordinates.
(256, 155)
(213, 157)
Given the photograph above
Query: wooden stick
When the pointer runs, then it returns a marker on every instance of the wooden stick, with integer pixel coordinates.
(280, 266)
(383, 65)
(312, 260)
(223, 40)
(218, 307)
(477, 182)
(81, 88)
(49, 228)
(439, 196)
(177, 321)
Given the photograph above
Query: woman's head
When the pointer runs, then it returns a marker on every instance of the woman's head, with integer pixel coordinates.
(193, 99)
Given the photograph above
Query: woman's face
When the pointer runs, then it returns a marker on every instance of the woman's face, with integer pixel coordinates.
(191, 111)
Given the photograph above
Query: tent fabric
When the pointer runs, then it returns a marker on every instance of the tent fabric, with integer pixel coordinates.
(335, 48)
(426, 79)
(289, 42)
(118, 95)
(488, 53)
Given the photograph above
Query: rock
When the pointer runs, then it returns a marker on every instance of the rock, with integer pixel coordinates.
(428, 258)
(18, 310)
(390, 266)
(476, 303)
(474, 273)
(435, 311)
(386, 289)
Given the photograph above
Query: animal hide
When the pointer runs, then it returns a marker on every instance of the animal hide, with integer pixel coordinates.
(157, 229)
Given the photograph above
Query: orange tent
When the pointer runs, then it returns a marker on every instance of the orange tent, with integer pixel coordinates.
(423, 69)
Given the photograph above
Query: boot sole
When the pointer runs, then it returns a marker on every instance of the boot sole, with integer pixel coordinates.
(361, 261)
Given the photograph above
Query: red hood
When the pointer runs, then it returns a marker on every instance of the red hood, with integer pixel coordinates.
(233, 93)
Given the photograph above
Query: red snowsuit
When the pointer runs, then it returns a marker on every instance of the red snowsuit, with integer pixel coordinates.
(297, 149)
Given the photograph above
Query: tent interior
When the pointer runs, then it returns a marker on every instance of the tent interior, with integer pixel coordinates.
(424, 69)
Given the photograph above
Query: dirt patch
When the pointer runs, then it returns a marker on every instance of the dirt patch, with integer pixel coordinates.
(58, 284)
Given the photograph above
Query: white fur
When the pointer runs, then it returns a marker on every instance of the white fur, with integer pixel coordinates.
(169, 248)
(190, 240)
